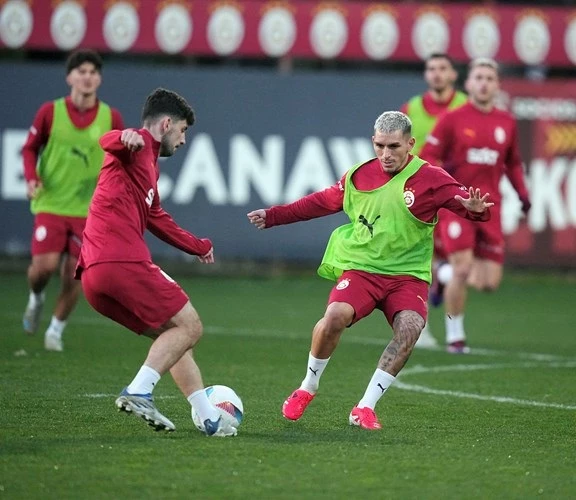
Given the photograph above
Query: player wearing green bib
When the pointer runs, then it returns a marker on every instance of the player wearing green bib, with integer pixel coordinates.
(441, 96)
(381, 259)
(62, 160)
(424, 111)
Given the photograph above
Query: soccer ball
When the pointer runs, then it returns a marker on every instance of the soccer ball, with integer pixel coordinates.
(226, 401)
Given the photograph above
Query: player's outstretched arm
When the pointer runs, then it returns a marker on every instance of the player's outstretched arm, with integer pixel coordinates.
(476, 202)
(258, 218)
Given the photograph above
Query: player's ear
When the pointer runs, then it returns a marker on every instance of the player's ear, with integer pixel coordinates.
(166, 122)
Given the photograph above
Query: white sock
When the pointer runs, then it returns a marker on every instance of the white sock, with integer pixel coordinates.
(455, 328)
(205, 409)
(35, 299)
(56, 327)
(144, 381)
(377, 386)
(444, 273)
(313, 374)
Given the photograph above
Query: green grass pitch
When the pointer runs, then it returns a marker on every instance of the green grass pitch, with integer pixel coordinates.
(498, 423)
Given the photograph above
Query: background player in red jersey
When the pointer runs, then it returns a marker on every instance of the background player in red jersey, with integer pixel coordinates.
(62, 159)
(381, 259)
(115, 266)
(424, 111)
(477, 144)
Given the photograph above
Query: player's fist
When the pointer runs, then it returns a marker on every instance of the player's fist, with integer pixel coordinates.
(258, 218)
(526, 206)
(132, 140)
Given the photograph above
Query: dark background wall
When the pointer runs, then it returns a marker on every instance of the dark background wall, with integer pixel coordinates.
(321, 123)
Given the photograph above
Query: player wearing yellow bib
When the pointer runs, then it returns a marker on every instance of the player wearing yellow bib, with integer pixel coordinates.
(424, 111)
(62, 160)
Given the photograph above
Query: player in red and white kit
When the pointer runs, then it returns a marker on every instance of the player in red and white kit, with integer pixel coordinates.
(477, 144)
(118, 277)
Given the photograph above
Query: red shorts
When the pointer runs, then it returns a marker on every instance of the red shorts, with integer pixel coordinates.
(391, 294)
(484, 238)
(57, 233)
(138, 295)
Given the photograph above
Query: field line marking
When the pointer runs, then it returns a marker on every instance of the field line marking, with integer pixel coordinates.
(468, 395)
(305, 336)
(101, 395)
(419, 369)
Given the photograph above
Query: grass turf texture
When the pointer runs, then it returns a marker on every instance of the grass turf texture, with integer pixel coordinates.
(61, 436)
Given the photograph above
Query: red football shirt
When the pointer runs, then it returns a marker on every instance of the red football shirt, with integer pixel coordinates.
(478, 148)
(42, 125)
(432, 188)
(126, 203)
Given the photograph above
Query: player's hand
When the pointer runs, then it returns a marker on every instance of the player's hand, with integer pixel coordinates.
(526, 206)
(132, 140)
(33, 188)
(258, 218)
(207, 258)
(477, 202)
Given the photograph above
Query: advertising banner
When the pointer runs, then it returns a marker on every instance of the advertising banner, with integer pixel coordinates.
(546, 114)
(377, 31)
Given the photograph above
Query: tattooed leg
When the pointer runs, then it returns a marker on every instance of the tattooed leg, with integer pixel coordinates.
(407, 327)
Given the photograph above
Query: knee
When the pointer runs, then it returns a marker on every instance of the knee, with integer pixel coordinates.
(461, 273)
(489, 287)
(44, 270)
(336, 319)
(195, 330)
(407, 327)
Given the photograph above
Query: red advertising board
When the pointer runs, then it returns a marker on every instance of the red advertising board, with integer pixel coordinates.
(546, 114)
(299, 28)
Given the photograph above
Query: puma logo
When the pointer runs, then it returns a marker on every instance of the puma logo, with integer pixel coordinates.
(369, 225)
(383, 389)
(315, 372)
(83, 156)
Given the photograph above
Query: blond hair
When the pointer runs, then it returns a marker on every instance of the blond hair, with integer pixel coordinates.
(485, 62)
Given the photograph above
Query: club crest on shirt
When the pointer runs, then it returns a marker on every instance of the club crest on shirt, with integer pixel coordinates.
(500, 135)
(454, 230)
(409, 197)
(343, 284)
(40, 233)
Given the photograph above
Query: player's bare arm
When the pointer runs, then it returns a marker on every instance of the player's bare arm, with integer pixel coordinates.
(258, 218)
(132, 140)
(476, 202)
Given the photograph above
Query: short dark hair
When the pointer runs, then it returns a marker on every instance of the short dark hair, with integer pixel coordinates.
(440, 55)
(78, 58)
(165, 102)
